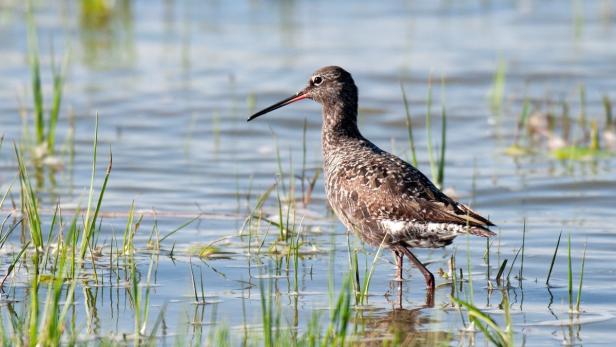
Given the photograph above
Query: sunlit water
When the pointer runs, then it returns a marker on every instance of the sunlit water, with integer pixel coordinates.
(173, 83)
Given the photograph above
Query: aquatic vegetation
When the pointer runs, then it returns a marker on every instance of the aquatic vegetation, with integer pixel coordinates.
(409, 126)
(203, 237)
(69, 256)
(45, 132)
(200, 292)
(48, 328)
(501, 270)
(437, 165)
(96, 12)
(547, 281)
(502, 337)
(497, 91)
(361, 288)
(204, 250)
(541, 132)
(92, 212)
(579, 293)
(570, 278)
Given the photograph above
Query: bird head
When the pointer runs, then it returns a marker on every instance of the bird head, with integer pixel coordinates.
(327, 86)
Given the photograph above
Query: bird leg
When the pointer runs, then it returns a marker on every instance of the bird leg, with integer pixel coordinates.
(399, 295)
(426, 273)
(430, 297)
(399, 263)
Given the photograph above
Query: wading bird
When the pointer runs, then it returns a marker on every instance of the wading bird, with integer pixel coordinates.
(382, 198)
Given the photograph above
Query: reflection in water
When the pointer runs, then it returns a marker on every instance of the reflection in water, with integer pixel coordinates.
(404, 328)
(396, 287)
(93, 321)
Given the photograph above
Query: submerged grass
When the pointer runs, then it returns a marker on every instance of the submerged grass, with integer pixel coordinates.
(487, 325)
(44, 323)
(521, 274)
(46, 320)
(37, 90)
(275, 333)
(361, 288)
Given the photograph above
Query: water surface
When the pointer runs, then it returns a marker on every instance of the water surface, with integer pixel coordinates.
(173, 83)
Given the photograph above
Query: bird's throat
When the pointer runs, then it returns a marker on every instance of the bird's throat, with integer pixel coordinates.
(339, 122)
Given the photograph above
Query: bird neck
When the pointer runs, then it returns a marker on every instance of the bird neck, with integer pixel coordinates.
(339, 123)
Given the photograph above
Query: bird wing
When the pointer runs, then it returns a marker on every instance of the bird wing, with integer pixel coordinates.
(390, 188)
(422, 195)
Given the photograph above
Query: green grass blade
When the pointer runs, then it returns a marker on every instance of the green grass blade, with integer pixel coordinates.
(607, 105)
(522, 121)
(429, 132)
(441, 164)
(582, 107)
(86, 230)
(476, 314)
(187, 223)
(304, 149)
(500, 271)
(520, 276)
(409, 125)
(8, 190)
(266, 314)
(569, 274)
(513, 263)
(35, 70)
(157, 324)
(192, 279)
(13, 263)
(469, 271)
(258, 206)
(547, 281)
(367, 279)
(30, 203)
(579, 294)
(498, 88)
(90, 221)
(99, 201)
(58, 85)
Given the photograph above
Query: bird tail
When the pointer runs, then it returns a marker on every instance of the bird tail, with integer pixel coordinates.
(475, 224)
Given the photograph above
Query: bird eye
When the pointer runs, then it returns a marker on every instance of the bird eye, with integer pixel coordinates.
(317, 80)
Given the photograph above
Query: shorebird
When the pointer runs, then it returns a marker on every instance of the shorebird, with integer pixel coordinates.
(380, 197)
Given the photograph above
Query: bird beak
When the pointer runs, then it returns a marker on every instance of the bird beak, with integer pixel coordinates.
(297, 97)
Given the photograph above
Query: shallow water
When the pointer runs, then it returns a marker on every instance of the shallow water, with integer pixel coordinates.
(173, 83)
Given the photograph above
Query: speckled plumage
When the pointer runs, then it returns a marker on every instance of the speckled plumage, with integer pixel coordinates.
(377, 195)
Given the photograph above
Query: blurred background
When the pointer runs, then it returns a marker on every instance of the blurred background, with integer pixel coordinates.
(513, 99)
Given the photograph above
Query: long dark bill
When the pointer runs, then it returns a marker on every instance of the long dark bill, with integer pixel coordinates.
(297, 97)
